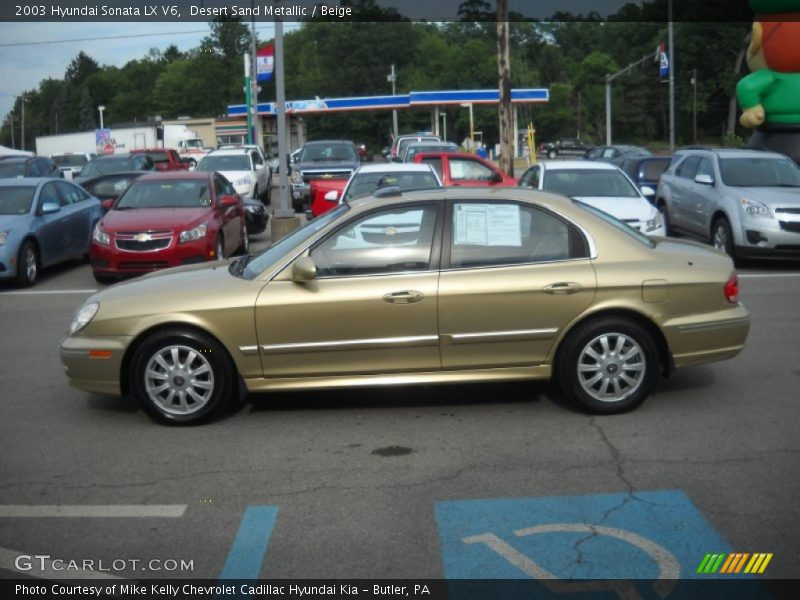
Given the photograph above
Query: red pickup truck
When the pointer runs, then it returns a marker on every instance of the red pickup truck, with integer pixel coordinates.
(466, 170)
(165, 159)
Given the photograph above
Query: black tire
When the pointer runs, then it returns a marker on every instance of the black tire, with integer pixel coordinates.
(192, 163)
(721, 237)
(637, 350)
(28, 264)
(661, 206)
(219, 248)
(244, 248)
(214, 388)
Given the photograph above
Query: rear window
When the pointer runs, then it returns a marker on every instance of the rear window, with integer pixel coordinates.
(364, 184)
(233, 162)
(70, 160)
(12, 169)
(620, 225)
(107, 166)
(654, 168)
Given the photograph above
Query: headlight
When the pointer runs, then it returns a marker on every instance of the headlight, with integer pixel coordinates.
(100, 236)
(83, 316)
(754, 208)
(655, 223)
(3, 238)
(193, 234)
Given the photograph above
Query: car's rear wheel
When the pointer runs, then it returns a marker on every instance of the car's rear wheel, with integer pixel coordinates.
(27, 264)
(182, 377)
(721, 236)
(608, 365)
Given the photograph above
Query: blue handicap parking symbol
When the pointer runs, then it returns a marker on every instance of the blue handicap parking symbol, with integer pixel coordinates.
(655, 536)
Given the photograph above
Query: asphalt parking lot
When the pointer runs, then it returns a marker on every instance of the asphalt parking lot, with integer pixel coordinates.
(390, 483)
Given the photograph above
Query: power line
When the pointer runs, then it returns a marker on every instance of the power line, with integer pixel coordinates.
(113, 37)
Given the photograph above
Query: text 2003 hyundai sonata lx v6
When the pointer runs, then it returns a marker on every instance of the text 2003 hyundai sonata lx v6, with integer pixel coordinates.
(449, 285)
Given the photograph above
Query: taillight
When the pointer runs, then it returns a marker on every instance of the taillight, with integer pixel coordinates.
(732, 289)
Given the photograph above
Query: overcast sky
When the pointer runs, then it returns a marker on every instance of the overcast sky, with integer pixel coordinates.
(23, 66)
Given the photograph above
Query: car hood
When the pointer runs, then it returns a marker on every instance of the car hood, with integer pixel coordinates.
(624, 209)
(11, 221)
(774, 197)
(233, 176)
(189, 289)
(153, 219)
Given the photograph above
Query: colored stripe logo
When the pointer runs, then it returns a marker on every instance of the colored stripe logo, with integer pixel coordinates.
(736, 562)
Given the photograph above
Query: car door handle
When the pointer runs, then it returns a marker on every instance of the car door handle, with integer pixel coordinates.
(563, 288)
(404, 297)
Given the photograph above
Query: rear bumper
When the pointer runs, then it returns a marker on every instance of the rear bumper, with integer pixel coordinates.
(707, 338)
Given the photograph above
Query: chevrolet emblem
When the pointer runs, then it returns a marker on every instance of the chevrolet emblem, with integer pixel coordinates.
(143, 237)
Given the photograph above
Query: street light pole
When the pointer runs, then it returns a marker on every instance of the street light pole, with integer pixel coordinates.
(100, 108)
(22, 132)
(671, 81)
(392, 78)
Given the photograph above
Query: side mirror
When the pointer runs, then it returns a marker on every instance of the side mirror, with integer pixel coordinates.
(228, 200)
(647, 191)
(107, 204)
(332, 196)
(48, 208)
(704, 179)
(304, 269)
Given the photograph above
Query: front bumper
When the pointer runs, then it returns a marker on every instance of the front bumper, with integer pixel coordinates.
(110, 260)
(94, 364)
(770, 238)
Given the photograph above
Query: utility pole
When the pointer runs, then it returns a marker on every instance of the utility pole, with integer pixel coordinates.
(694, 106)
(611, 78)
(506, 114)
(392, 78)
(254, 78)
(671, 81)
(22, 133)
(248, 92)
(11, 119)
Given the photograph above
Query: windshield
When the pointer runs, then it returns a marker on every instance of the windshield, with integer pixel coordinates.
(364, 184)
(12, 169)
(234, 162)
(621, 225)
(328, 153)
(257, 263)
(106, 166)
(16, 200)
(70, 160)
(589, 183)
(166, 194)
(759, 172)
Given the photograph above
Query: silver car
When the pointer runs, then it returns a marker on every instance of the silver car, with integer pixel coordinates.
(744, 202)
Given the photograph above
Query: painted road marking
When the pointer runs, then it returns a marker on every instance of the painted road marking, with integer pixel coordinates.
(655, 536)
(45, 292)
(104, 510)
(247, 553)
(8, 562)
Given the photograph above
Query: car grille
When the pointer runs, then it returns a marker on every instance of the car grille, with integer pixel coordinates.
(151, 265)
(788, 211)
(143, 241)
(793, 226)
(327, 175)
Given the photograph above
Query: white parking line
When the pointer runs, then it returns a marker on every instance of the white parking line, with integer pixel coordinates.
(45, 292)
(103, 510)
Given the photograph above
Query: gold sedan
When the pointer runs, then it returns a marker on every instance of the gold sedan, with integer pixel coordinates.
(439, 286)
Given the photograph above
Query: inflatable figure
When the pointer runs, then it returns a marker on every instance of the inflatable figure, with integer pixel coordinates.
(770, 95)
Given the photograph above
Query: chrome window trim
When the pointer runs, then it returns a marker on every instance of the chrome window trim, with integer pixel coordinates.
(508, 265)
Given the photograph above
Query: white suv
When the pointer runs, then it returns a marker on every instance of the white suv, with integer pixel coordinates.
(244, 168)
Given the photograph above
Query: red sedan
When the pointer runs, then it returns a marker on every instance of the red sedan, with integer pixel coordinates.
(466, 170)
(167, 220)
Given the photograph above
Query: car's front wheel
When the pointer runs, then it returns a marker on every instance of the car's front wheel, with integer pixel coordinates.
(721, 236)
(608, 365)
(27, 264)
(182, 377)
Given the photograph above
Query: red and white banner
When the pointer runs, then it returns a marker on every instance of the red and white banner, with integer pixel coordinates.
(265, 63)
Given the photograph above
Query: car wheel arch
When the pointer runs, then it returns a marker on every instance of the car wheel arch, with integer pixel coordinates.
(664, 354)
(144, 334)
